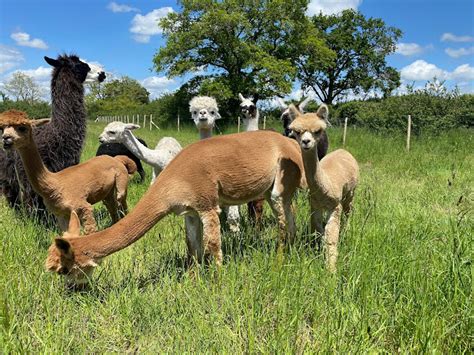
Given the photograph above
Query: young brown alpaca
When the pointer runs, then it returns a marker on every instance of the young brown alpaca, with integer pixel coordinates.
(75, 188)
(206, 174)
(331, 181)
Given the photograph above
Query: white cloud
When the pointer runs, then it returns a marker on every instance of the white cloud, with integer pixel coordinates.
(456, 53)
(9, 58)
(114, 7)
(145, 26)
(421, 70)
(23, 39)
(157, 85)
(449, 37)
(463, 73)
(330, 7)
(409, 49)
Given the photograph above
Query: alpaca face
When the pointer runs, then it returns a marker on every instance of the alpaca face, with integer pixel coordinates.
(114, 132)
(204, 111)
(285, 113)
(82, 71)
(308, 128)
(16, 127)
(248, 109)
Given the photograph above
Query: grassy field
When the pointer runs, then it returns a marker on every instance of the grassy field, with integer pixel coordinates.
(404, 282)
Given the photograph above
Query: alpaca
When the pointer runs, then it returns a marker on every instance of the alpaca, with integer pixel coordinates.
(323, 143)
(331, 181)
(75, 188)
(166, 149)
(203, 175)
(60, 142)
(114, 149)
(205, 112)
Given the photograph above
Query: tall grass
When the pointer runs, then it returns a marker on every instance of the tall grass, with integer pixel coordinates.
(403, 284)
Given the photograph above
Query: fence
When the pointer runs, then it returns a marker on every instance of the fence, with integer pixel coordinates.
(136, 119)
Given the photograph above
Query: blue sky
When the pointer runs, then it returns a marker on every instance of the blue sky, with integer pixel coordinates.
(438, 37)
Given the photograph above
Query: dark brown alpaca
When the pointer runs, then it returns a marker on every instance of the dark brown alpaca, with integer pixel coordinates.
(59, 143)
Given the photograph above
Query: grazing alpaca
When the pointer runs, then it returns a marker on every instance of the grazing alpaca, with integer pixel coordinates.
(323, 143)
(60, 142)
(114, 149)
(75, 188)
(331, 181)
(204, 112)
(250, 116)
(205, 174)
(166, 149)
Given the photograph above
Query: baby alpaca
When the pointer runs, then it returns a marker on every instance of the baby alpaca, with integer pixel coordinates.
(166, 149)
(75, 188)
(331, 181)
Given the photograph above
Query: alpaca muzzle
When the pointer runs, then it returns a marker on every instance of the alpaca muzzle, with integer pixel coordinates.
(7, 142)
(101, 77)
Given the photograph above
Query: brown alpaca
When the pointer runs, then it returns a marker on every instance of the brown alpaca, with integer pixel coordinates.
(211, 172)
(75, 188)
(331, 181)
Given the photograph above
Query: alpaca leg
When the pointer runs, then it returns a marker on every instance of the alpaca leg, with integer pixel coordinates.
(331, 236)
(86, 214)
(347, 203)
(290, 221)
(154, 174)
(121, 185)
(233, 219)
(212, 234)
(63, 223)
(317, 228)
(193, 227)
(255, 211)
(276, 203)
(112, 206)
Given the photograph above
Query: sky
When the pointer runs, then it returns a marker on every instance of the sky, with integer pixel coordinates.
(122, 36)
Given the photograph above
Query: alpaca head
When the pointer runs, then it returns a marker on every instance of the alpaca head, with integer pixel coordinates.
(16, 128)
(114, 132)
(62, 258)
(248, 109)
(285, 112)
(82, 71)
(307, 128)
(204, 111)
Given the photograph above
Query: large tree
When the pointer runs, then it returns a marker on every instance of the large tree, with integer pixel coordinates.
(245, 46)
(22, 87)
(124, 89)
(361, 46)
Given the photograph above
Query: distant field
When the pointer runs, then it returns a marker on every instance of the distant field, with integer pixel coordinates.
(404, 282)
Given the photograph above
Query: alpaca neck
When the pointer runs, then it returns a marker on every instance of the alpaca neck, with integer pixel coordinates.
(151, 208)
(37, 173)
(205, 133)
(315, 175)
(138, 149)
(251, 124)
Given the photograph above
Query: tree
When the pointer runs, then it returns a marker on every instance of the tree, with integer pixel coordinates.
(22, 87)
(125, 89)
(246, 46)
(361, 46)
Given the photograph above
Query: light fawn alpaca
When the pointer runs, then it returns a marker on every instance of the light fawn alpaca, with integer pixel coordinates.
(75, 188)
(203, 176)
(331, 181)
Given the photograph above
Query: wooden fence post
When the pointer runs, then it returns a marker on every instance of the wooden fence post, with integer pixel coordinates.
(238, 124)
(345, 132)
(178, 121)
(408, 133)
(264, 122)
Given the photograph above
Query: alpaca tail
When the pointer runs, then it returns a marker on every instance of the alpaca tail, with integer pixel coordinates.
(129, 163)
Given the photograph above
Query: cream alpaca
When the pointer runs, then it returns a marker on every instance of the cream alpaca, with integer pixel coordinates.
(75, 188)
(166, 149)
(331, 181)
(204, 175)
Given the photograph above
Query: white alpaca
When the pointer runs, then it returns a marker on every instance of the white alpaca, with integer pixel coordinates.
(205, 112)
(166, 149)
(250, 114)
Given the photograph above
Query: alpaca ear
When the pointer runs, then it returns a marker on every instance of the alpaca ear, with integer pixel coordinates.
(40, 122)
(293, 112)
(303, 104)
(74, 227)
(323, 112)
(241, 98)
(63, 245)
(53, 62)
(282, 103)
(131, 126)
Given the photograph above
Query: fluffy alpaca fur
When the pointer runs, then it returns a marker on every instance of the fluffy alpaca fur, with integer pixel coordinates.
(114, 149)
(75, 188)
(60, 142)
(204, 175)
(332, 181)
(323, 143)
(166, 149)
(205, 112)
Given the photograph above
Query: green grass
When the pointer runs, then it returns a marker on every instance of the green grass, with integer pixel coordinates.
(404, 281)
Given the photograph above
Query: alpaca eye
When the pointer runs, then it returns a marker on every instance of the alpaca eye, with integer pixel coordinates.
(111, 132)
(22, 129)
(195, 112)
(212, 112)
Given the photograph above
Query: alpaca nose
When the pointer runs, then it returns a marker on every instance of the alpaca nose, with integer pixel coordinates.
(7, 141)
(305, 141)
(101, 77)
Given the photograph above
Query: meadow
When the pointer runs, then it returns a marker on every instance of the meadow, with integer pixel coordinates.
(404, 280)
